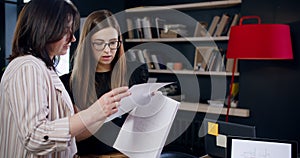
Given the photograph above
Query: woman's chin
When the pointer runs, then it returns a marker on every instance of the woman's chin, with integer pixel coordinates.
(106, 60)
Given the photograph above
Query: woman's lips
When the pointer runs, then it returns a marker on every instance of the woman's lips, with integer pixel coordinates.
(106, 58)
(67, 46)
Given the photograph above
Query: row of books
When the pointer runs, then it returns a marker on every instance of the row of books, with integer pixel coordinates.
(211, 59)
(148, 28)
(206, 59)
(146, 57)
(219, 26)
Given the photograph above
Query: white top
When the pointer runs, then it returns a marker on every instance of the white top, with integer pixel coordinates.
(34, 112)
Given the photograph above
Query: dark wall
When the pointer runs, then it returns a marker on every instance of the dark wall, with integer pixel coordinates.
(273, 11)
(2, 37)
(138, 3)
(270, 89)
(87, 6)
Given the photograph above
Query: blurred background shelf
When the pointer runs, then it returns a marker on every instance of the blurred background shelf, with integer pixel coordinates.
(206, 108)
(192, 72)
(212, 4)
(180, 39)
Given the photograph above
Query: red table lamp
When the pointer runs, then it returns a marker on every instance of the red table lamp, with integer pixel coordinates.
(257, 42)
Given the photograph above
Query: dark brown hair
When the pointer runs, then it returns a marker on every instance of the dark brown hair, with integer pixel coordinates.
(42, 22)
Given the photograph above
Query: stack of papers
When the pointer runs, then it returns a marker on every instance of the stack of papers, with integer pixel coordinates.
(147, 126)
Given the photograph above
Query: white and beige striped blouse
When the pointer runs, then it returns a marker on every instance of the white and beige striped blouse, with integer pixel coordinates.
(34, 112)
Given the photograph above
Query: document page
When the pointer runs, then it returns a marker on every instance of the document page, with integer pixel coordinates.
(147, 126)
(140, 96)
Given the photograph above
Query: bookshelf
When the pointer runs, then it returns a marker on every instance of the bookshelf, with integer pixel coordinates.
(200, 107)
(199, 5)
(191, 72)
(185, 39)
(141, 21)
(186, 44)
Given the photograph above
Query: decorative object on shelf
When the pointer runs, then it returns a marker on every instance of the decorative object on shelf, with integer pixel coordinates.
(234, 96)
(257, 42)
(177, 66)
(168, 34)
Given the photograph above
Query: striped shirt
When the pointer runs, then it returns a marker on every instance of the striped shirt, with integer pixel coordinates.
(34, 112)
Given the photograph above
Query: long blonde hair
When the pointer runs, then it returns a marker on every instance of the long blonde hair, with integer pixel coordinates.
(82, 79)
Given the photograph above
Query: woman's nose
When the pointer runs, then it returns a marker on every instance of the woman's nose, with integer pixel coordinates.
(73, 38)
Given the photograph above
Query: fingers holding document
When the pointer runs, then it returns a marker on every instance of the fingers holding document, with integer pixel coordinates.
(110, 101)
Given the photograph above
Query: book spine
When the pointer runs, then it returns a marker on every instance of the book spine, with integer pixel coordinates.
(233, 22)
(146, 28)
(155, 61)
(130, 28)
(147, 59)
(140, 56)
(213, 25)
(221, 25)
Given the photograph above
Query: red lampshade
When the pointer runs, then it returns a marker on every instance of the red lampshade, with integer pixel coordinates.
(257, 41)
(260, 41)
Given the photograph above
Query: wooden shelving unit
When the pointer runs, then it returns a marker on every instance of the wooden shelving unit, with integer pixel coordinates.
(196, 107)
(182, 39)
(191, 72)
(205, 108)
(203, 5)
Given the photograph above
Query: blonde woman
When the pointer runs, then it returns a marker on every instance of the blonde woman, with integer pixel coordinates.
(99, 66)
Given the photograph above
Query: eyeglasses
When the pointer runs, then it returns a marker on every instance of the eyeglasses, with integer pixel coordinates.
(113, 45)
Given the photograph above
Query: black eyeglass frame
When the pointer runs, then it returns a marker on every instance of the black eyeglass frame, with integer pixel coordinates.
(107, 44)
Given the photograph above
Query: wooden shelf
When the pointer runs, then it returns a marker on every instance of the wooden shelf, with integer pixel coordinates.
(213, 4)
(199, 107)
(191, 72)
(181, 39)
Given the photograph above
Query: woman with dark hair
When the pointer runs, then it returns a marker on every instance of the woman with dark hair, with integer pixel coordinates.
(36, 112)
(99, 66)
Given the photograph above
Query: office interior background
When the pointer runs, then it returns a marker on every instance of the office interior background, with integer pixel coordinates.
(269, 89)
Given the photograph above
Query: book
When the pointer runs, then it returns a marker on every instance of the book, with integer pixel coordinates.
(202, 58)
(148, 59)
(131, 55)
(155, 61)
(140, 55)
(229, 65)
(138, 28)
(200, 30)
(213, 25)
(130, 28)
(227, 26)
(234, 22)
(146, 27)
(198, 59)
(207, 56)
(221, 25)
(218, 62)
(159, 24)
(211, 60)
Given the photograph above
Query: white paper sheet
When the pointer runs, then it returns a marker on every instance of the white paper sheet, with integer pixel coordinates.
(140, 96)
(147, 126)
